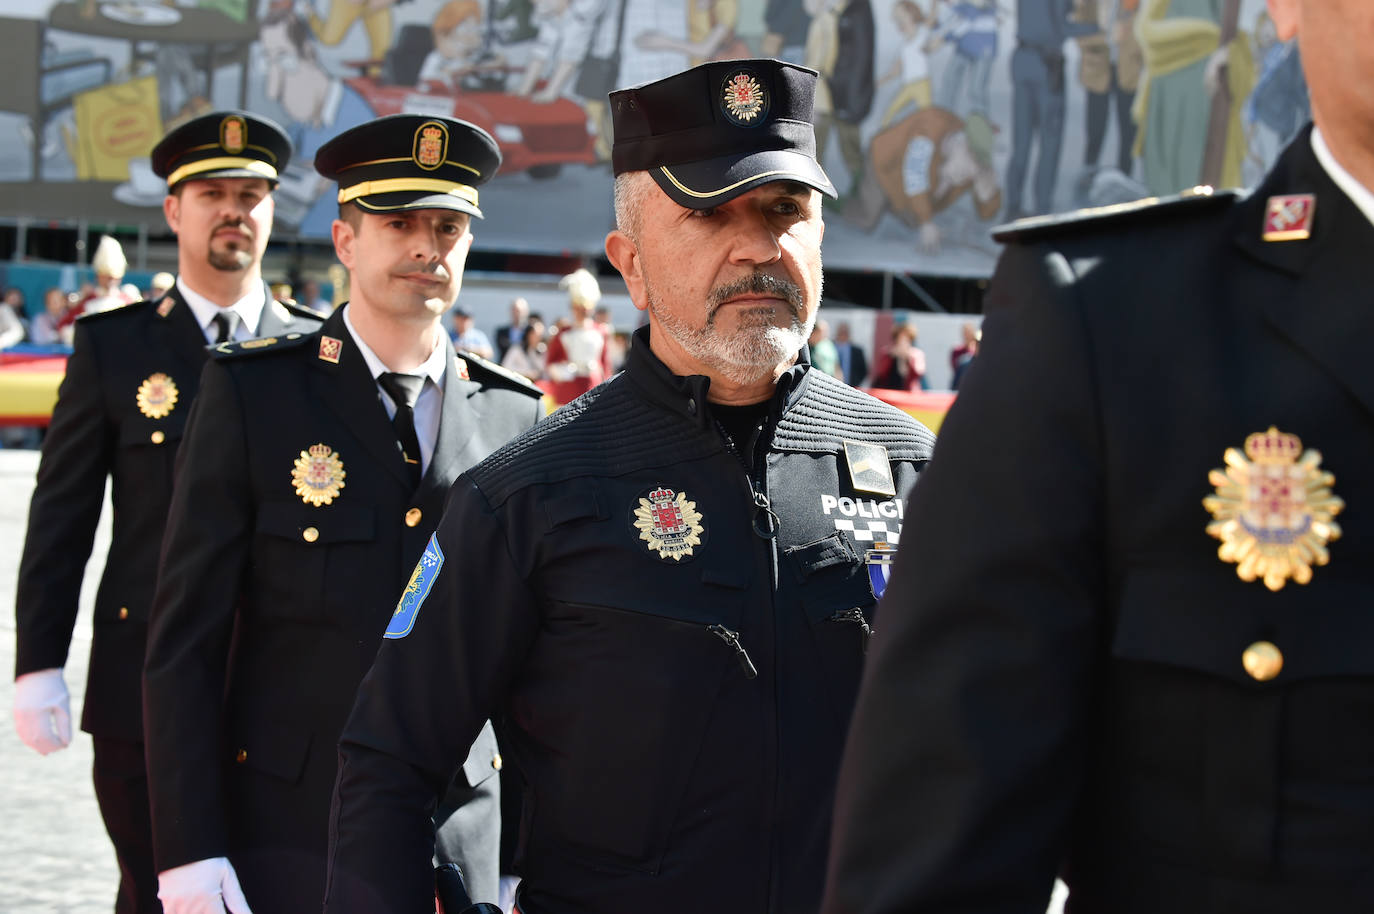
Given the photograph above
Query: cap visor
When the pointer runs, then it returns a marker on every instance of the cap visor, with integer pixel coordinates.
(700, 185)
(228, 173)
(407, 200)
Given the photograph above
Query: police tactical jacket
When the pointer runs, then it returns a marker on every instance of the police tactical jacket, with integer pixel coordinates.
(673, 627)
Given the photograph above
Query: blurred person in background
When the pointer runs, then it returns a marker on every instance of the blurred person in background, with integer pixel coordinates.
(903, 365)
(46, 326)
(508, 335)
(527, 357)
(578, 358)
(853, 359)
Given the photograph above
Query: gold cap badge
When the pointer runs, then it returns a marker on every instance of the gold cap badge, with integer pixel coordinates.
(431, 145)
(1274, 509)
(233, 134)
(669, 523)
(157, 396)
(318, 475)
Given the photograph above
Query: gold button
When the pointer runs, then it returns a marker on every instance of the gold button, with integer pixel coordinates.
(496, 761)
(158, 436)
(123, 612)
(413, 517)
(242, 756)
(310, 534)
(1262, 660)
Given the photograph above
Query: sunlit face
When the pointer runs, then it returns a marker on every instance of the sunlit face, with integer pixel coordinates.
(221, 222)
(407, 264)
(735, 287)
(1338, 61)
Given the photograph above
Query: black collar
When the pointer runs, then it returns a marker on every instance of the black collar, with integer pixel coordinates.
(687, 396)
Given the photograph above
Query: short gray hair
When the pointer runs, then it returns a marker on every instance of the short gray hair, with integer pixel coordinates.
(631, 190)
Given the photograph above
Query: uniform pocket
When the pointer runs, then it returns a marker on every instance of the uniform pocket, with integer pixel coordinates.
(290, 565)
(837, 598)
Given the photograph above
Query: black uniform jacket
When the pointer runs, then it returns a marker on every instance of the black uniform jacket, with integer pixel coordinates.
(99, 430)
(1060, 679)
(269, 609)
(675, 642)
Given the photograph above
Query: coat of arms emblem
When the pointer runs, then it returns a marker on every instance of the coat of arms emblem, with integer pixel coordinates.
(744, 100)
(431, 145)
(233, 134)
(157, 396)
(318, 475)
(669, 523)
(1273, 508)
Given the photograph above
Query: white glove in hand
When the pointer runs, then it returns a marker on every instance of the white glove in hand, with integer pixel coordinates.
(42, 711)
(204, 887)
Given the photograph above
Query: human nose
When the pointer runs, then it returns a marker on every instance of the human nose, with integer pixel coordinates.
(425, 246)
(754, 241)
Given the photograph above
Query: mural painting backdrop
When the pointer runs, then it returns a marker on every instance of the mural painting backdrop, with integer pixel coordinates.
(935, 118)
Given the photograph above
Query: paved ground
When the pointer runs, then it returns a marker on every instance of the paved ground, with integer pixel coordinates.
(54, 855)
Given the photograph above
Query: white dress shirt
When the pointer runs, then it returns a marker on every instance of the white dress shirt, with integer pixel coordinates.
(1360, 195)
(249, 309)
(429, 407)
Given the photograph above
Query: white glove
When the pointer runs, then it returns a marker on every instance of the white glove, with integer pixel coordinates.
(204, 887)
(42, 711)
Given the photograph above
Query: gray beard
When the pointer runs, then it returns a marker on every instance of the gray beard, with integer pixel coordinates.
(757, 349)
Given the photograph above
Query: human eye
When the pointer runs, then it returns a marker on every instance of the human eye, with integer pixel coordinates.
(707, 213)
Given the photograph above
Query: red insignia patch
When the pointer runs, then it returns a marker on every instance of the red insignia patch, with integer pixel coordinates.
(1289, 218)
(330, 349)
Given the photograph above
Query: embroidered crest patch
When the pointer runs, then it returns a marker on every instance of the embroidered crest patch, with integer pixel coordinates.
(669, 523)
(1274, 509)
(318, 475)
(431, 145)
(233, 134)
(421, 580)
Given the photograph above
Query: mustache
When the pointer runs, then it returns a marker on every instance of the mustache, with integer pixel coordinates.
(237, 225)
(759, 284)
(437, 270)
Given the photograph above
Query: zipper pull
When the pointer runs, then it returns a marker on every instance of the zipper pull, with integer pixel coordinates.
(856, 616)
(763, 510)
(732, 639)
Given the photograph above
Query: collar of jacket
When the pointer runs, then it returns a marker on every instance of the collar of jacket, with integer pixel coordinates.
(687, 396)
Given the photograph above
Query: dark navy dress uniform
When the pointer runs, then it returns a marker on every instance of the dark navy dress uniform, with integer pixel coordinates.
(99, 431)
(1073, 675)
(294, 524)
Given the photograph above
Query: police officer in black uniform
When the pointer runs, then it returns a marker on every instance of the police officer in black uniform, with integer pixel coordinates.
(674, 598)
(1129, 639)
(121, 409)
(292, 529)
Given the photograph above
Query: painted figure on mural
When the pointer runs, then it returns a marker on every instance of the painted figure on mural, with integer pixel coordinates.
(1109, 69)
(839, 45)
(970, 26)
(1184, 57)
(318, 105)
(911, 67)
(921, 166)
(376, 17)
(1038, 99)
(1278, 106)
(711, 33)
(459, 43)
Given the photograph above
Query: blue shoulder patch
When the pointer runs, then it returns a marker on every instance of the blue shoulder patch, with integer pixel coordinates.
(421, 580)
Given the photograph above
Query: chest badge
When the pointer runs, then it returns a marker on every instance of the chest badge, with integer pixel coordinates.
(669, 523)
(1273, 509)
(869, 470)
(157, 396)
(318, 475)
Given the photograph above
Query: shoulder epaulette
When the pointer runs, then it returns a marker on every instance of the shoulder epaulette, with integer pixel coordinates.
(295, 310)
(1097, 218)
(135, 307)
(485, 369)
(242, 348)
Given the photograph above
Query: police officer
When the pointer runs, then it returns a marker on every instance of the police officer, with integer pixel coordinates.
(1130, 636)
(120, 412)
(292, 529)
(674, 601)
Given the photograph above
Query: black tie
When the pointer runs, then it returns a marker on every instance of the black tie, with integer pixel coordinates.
(226, 322)
(404, 390)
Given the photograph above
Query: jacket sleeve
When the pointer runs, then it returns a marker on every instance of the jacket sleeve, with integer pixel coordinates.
(77, 455)
(204, 555)
(966, 753)
(421, 706)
